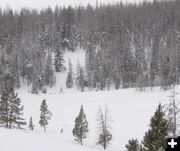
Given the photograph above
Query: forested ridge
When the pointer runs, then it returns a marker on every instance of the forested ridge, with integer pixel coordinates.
(126, 45)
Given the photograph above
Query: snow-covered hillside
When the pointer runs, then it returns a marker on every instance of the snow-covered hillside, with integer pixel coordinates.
(75, 57)
(131, 111)
(86, 66)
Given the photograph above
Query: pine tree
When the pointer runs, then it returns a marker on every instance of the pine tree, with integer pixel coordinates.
(58, 42)
(35, 86)
(73, 39)
(155, 136)
(14, 69)
(80, 78)
(16, 111)
(133, 145)
(104, 128)
(45, 115)
(81, 126)
(7, 82)
(58, 61)
(128, 69)
(90, 64)
(11, 110)
(4, 108)
(31, 125)
(69, 79)
(49, 72)
(154, 69)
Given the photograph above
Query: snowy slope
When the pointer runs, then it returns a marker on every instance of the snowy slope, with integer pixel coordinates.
(131, 111)
(75, 57)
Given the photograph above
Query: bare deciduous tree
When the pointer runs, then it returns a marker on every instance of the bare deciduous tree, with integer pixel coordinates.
(104, 127)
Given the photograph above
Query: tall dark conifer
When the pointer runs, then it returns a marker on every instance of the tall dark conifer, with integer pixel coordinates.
(11, 110)
(81, 127)
(58, 61)
(155, 136)
(69, 78)
(45, 115)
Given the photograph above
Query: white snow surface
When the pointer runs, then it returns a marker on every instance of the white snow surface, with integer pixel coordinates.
(131, 111)
(75, 57)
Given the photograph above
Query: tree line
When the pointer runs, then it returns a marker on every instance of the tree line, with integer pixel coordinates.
(126, 45)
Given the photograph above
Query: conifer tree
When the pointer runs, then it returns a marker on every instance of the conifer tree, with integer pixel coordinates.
(11, 110)
(31, 125)
(58, 61)
(133, 145)
(35, 86)
(69, 79)
(73, 39)
(81, 126)
(45, 115)
(16, 111)
(104, 128)
(4, 108)
(155, 136)
(90, 54)
(80, 78)
(49, 72)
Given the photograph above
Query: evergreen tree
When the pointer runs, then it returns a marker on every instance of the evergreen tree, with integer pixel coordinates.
(58, 61)
(35, 86)
(104, 128)
(58, 46)
(155, 136)
(133, 145)
(90, 64)
(31, 125)
(16, 111)
(73, 39)
(11, 110)
(7, 82)
(45, 115)
(165, 73)
(81, 126)
(4, 108)
(128, 69)
(69, 79)
(14, 69)
(80, 78)
(49, 72)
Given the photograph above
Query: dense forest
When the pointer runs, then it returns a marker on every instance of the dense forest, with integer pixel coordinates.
(126, 45)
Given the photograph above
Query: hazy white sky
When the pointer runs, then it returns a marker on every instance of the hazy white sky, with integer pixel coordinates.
(16, 4)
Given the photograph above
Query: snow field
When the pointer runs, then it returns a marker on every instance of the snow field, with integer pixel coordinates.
(131, 111)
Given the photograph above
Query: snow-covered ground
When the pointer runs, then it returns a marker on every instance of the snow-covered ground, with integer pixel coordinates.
(131, 111)
(75, 57)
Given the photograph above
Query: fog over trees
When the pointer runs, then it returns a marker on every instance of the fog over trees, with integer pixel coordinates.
(126, 45)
